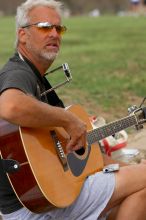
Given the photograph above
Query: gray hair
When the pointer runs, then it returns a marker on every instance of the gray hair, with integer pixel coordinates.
(22, 18)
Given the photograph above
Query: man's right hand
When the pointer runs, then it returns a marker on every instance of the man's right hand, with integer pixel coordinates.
(77, 131)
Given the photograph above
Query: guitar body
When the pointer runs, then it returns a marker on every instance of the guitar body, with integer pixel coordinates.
(44, 181)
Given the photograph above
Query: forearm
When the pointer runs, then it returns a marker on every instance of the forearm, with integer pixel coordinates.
(24, 110)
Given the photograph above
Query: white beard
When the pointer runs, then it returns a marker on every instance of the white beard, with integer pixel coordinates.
(49, 56)
(44, 55)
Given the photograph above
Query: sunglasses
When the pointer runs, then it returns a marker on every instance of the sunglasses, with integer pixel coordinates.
(47, 27)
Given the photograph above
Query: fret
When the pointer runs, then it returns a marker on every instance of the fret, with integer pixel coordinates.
(110, 129)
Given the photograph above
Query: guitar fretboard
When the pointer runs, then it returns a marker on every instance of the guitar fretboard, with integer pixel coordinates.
(110, 129)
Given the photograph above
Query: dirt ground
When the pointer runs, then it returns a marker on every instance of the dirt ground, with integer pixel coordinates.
(135, 149)
(137, 139)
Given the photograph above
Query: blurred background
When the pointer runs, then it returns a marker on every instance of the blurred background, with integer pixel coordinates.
(93, 7)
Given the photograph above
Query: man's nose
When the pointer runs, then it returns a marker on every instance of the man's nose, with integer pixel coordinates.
(54, 32)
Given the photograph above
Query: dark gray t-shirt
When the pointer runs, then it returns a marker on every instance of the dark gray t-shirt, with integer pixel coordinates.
(17, 74)
(24, 76)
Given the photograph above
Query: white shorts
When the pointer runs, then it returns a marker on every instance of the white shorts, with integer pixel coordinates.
(95, 194)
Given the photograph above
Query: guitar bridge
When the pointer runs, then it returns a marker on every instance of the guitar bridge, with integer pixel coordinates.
(59, 150)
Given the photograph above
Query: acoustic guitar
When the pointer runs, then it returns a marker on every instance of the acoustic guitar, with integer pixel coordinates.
(40, 171)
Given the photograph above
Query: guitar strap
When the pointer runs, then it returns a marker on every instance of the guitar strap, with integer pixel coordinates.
(9, 165)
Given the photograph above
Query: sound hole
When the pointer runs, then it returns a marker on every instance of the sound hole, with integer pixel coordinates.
(80, 151)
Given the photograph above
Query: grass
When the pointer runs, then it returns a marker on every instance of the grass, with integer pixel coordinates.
(107, 58)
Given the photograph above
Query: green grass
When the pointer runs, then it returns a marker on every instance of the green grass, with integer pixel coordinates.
(107, 58)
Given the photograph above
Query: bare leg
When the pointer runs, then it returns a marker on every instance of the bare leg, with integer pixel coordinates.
(129, 194)
(134, 207)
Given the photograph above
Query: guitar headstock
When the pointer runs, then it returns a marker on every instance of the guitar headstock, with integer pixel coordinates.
(140, 114)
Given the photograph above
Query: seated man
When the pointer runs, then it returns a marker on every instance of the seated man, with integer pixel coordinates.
(39, 32)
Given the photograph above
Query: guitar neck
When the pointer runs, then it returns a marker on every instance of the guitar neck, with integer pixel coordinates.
(110, 129)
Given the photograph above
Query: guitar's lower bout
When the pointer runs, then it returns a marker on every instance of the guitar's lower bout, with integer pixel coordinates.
(42, 183)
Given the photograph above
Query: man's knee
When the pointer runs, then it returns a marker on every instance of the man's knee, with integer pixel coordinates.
(141, 195)
(133, 173)
(129, 180)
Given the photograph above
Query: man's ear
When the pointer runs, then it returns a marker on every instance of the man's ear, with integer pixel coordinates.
(22, 35)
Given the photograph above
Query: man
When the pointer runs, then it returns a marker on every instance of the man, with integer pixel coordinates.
(39, 32)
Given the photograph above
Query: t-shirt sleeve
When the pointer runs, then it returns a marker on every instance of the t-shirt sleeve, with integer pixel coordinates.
(18, 79)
